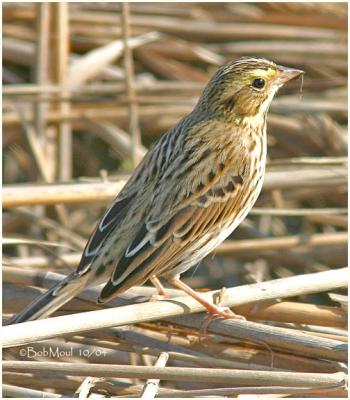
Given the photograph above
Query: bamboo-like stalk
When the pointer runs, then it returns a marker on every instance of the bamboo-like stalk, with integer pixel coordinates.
(18, 391)
(21, 195)
(27, 332)
(215, 31)
(59, 64)
(151, 387)
(17, 195)
(268, 244)
(43, 17)
(300, 313)
(182, 354)
(281, 338)
(39, 156)
(123, 389)
(76, 113)
(297, 227)
(92, 63)
(40, 380)
(134, 124)
(238, 377)
(341, 221)
(253, 390)
(29, 277)
(246, 357)
(71, 260)
(93, 88)
(298, 211)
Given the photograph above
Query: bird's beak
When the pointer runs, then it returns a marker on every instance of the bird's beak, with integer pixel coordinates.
(286, 74)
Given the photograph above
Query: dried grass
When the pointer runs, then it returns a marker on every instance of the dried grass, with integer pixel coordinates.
(76, 105)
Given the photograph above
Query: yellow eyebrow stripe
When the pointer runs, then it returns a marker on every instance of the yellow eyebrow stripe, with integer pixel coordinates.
(270, 72)
(259, 73)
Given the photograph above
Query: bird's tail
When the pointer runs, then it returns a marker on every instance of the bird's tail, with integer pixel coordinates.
(50, 301)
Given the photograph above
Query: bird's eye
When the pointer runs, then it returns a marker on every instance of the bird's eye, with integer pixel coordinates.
(258, 83)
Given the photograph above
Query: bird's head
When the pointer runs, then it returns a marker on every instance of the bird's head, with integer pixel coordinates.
(246, 87)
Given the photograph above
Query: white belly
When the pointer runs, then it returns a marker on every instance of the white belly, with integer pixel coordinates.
(207, 243)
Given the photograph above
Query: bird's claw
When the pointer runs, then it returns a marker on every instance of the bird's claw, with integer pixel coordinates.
(158, 297)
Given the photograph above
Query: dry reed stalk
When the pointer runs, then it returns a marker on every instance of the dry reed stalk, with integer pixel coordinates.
(189, 341)
(20, 195)
(92, 63)
(175, 352)
(268, 244)
(29, 277)
(258, 391)
(59, 68)
(292, 286)
(283, 339)
(238, 377)
(303, 202)
(37, 149)
(299, 313)
(215, 31)
(151, 387)
(43, 15)
(341, 222)
(134, 123)
(308, 212)
(263, 356)
(18, 391)
(70, 260)
(41, 380)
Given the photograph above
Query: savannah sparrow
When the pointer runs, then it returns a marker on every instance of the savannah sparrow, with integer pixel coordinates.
(192, 189)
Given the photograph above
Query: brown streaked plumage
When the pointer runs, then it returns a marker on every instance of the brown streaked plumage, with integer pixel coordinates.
(191, 190)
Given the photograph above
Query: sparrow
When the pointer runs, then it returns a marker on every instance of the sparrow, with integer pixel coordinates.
(189, 193)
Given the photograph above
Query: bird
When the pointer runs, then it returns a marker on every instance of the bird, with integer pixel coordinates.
(192, 189)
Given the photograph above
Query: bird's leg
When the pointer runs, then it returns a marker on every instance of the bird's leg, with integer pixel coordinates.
(158, 285)
(162, 294)
(212, 309)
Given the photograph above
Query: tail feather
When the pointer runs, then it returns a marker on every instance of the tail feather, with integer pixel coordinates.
(52, 300)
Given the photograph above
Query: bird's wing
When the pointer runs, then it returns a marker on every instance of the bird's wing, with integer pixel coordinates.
(108, 223)
(114, 217)
(179, 216)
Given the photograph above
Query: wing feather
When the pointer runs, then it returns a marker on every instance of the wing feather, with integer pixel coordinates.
(111, 219)
(160, 243)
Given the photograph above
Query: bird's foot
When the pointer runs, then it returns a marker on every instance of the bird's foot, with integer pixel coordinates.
(161, 291)
(217, 311)
(224, 312)
(158, 297)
